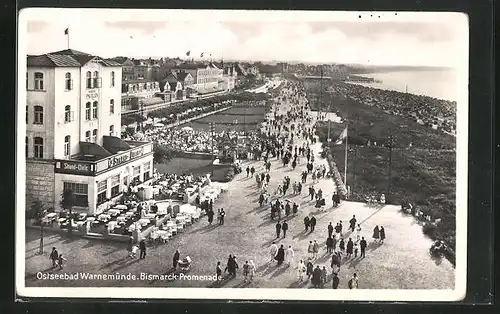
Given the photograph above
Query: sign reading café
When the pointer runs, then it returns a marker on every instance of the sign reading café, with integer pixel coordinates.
(125, 157)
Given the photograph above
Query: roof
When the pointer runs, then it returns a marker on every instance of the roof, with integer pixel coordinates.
(137, 81)
(192, 66)
(66, 58)
(180, 76)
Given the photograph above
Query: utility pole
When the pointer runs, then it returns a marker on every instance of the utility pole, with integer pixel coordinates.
(354, 167)
(212, 131)
(142, 116)
(320, 92)
(329, 125)
(391, 145)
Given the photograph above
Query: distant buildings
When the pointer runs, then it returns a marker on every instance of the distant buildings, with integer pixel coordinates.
(73, 123)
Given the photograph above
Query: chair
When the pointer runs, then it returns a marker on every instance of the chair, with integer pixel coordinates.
(180, 228)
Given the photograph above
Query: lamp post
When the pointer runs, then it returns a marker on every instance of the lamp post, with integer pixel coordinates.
(391, 143)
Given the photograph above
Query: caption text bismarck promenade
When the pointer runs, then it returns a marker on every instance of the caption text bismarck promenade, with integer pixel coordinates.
(123, 276)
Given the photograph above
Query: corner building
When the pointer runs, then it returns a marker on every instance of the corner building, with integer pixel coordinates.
(73, 118)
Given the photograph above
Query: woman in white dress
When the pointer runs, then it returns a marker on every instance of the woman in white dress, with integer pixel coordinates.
(358, 233)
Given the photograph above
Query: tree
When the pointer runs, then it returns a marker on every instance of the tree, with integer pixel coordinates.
(161, 153)
(39, 210)
(68, 200)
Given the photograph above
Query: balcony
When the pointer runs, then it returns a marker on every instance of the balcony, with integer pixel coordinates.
(95, 159)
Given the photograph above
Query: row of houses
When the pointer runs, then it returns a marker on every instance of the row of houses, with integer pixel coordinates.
(150, 81)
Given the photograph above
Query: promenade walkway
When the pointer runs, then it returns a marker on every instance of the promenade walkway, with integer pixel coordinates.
(402, 262)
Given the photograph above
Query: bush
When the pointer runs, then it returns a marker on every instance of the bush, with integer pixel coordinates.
(430, 229)
(229, 175)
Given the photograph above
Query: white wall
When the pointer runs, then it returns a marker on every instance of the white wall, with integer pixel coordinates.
(63, 98)
(45, 99)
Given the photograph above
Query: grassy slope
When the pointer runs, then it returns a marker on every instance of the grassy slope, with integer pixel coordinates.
(424, 175)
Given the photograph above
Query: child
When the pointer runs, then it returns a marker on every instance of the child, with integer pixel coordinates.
(135, 248)
(356, 249)
(60, 261)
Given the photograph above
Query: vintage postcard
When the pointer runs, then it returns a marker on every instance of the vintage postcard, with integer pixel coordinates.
(299, 155)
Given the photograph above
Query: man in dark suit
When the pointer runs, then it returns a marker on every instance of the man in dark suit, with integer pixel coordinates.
(278, 229)
(362, 246)
(284, 227)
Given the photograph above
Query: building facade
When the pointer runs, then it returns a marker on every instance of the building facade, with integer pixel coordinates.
(73, 118)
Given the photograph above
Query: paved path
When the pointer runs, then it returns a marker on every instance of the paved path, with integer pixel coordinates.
(402, 262)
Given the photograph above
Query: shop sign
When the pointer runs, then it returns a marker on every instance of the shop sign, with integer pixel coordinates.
(74, 167)
(125, 157)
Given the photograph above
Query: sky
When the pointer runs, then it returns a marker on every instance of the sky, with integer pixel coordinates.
(419, 39)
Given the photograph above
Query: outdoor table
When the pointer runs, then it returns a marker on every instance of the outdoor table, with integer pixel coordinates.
(149, 216)
(114, 212)
(104, 217)
(143, 221)
(51, 215)
(61, 220)
(121, 207)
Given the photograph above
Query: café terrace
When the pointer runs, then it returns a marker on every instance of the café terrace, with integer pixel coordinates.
(98, 175)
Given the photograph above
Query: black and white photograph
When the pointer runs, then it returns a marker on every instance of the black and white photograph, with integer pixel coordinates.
(183, 154)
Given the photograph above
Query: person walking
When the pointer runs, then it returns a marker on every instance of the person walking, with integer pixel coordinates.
(130, 246)
(289, 255)
(273, 251)
(362, 246)
(222, 216)
(335, 281)
(350, 247)
(329, 245)
(311, 192)
(309, 269)
(248, 171)
(352, 223)
(210, 216)
(251, 270)
(54, 255)
(324, 277)
(142, 248)
(60, 261)
(246, 267)
(301, 269)
(284, 227)
(376, 234)
(316, 277)
(330, 229)
(280, 256)
(334, 243)
(278, 229)
(353, 283)
(355, 249)
(307, 222)
(315, 249)
(382, 234)
(218, 271)
(313, 223)
(342, 245)
(252, 171)
(310, 250)
(175, 259)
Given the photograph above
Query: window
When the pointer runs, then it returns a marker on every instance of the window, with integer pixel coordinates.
(136, 173)
(27, 110)
(147, 167)
(115, 185)
(112, 78)
(94, 136)
(38, 81)
(67, 146)
(112, 106)
(89, 79)
(67, 114)
(68, 82)
(80, 190)
(38, 147)
(94, 110)
(102, 188)
(95, 80)
(38, 115)
(87, 111)
(26, 148)
(111, 130)
(87, 136)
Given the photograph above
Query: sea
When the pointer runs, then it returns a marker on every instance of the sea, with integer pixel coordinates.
(442, 83)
